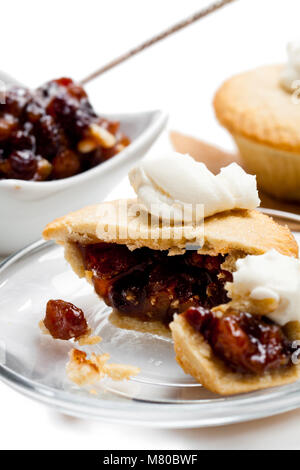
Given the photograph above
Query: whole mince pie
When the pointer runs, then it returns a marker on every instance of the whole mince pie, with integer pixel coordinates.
(147, 280)
(53, 132)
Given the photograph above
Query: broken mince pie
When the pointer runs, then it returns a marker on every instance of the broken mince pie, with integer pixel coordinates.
(230, 351)
(251, 342)
(147, 280)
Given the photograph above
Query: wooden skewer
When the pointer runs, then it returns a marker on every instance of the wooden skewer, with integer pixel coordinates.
(164, 34)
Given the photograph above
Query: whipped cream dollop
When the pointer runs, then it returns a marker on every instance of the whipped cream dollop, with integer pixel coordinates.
(176, 187)
(271, 276)
(291, 72)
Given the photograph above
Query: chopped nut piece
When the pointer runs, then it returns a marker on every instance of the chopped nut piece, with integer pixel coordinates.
(44, 169)
(83, 371)
(8, 124)
(87, 145)
(119, 147)
(102, 136)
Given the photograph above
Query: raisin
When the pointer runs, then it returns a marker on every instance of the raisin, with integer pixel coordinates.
(50, 139)
(64, 320)
(248, 344)
(128, 293)
(65, 164)
(8, 124)
(23, 139)
(23, 164)
(16, 99)
(108, 260)
(164, 284)
(74, 120)
(34, 110)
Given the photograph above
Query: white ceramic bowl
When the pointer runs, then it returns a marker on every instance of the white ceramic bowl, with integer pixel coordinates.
(26, 206)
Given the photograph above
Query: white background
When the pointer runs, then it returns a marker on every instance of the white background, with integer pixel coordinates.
(46, 39)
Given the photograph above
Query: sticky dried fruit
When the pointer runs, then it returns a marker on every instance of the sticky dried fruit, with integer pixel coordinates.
(64, 320)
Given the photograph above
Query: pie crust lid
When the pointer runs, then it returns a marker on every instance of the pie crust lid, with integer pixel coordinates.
(247, 231)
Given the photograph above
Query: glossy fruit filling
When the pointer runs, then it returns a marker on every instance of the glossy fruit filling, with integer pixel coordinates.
(151, 285)
(248, 344)
(53, 132)
(64, 320)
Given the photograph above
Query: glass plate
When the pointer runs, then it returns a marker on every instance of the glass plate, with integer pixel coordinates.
(162, 395)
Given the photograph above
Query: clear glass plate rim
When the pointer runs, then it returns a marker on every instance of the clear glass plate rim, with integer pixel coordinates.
(159, 415)
(155, 414)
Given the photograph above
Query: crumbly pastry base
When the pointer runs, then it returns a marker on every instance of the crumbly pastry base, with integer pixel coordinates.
(277, 171)
(196, 358)
(254, 105)
(131, 323)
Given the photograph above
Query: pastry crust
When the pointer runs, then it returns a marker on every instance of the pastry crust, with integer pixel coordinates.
(246, 231)
(196, 358)
(254, 105)
(131, 323)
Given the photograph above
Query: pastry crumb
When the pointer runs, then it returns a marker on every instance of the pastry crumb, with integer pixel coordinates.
(93, 392)
(120, 372)
(43, 328)
(83, 371)
(88, 340)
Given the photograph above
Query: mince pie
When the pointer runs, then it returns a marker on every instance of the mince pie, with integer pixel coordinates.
(147, 280)
(230, 351)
